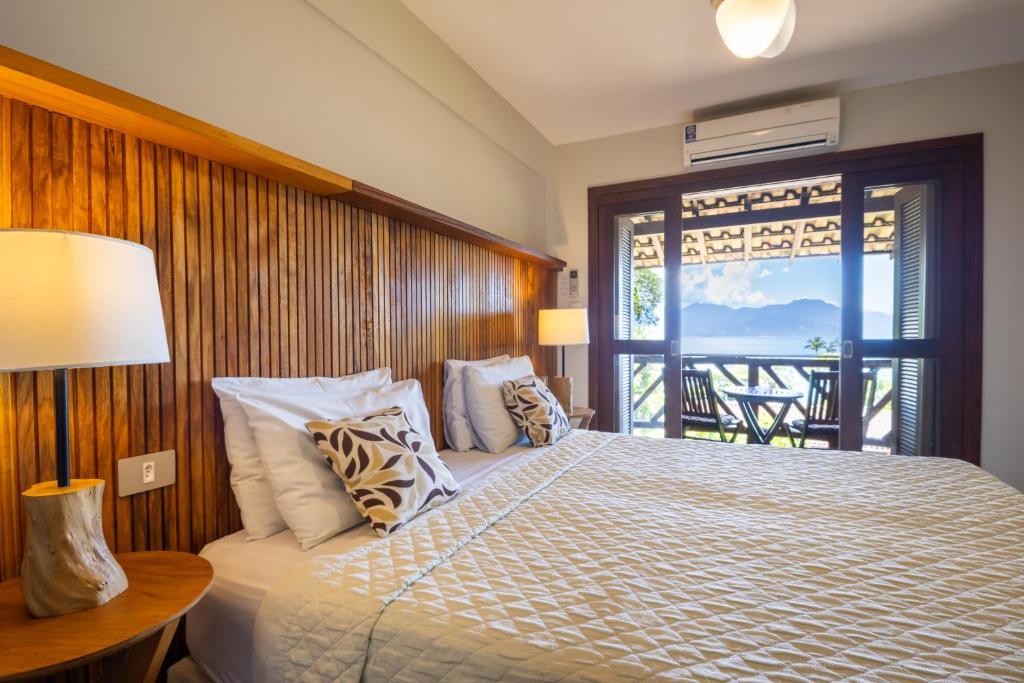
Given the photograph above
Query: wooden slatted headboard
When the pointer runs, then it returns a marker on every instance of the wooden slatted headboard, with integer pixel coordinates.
(257, 278)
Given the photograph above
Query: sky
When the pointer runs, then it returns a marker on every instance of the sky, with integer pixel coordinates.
(779, 281)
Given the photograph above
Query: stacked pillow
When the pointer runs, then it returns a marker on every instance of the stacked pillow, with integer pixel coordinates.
(496, 401)
(366, 430)
(279, 476)
(249, 481)
(458, 430)
(310, 496)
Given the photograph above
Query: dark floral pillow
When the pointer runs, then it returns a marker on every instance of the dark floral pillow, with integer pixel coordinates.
(535, 410)
(391, 472)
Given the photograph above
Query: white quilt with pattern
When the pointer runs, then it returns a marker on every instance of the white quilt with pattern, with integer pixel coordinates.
(610, 557)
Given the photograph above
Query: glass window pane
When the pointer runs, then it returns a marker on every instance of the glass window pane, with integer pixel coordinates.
(640, 394)
(761, 272)
(640, 276)
(899, 256)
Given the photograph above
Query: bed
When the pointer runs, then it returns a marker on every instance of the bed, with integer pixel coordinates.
(219, 629)
(611, 557)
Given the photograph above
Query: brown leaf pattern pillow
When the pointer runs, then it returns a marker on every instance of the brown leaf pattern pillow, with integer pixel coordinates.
(390, 471)
(536, 410)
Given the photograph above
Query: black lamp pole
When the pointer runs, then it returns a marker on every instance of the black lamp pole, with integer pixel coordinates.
(60, 415)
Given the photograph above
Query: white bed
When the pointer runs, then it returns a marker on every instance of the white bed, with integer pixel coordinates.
(219, 628)
(610, 557)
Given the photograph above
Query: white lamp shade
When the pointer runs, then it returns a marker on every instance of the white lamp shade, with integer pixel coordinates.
(756, 28)
(564, 327)
(74, 300)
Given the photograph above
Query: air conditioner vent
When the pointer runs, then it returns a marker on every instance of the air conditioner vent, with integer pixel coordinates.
(772, 133)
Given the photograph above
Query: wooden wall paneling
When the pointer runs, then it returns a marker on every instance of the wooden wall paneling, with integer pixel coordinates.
(256, 278)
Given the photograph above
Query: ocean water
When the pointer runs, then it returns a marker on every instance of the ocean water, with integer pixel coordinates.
(749, 346)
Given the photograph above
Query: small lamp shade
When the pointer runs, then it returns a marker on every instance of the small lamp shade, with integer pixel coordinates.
(74, 300)
(564, 327)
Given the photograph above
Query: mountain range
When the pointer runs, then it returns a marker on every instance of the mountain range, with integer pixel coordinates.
(800, 317)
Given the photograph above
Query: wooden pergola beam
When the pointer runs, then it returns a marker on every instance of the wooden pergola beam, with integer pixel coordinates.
(780, 215)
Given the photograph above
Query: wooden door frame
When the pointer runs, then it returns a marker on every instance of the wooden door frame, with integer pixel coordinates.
(963, 153)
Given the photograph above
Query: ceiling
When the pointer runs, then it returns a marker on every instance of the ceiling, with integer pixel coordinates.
(581, 69)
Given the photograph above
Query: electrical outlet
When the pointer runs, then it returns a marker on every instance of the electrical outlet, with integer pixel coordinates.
(145, 472)
(148, 472)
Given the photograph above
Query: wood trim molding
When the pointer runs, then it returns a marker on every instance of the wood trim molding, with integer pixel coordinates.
(372, 199)
(936, 150)
(32, 80)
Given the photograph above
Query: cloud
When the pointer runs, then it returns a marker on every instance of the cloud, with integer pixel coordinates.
(729, 284)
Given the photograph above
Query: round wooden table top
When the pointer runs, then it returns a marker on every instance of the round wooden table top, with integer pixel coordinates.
(162, 586)
(762, 394)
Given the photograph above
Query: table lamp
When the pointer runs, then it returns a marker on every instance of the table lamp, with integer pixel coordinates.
(563, 327)
(73, 300)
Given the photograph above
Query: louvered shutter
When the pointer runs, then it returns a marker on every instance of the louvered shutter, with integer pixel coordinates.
(624, 280)
(624, 321)
(913, 318)
(625, 393)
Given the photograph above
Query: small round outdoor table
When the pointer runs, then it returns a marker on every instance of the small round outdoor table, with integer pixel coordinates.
(750, 397)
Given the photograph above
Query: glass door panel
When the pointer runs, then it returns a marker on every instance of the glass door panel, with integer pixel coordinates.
(641, 394)
(900, 249)
(640, 276)
(644, 249)
(760, 290)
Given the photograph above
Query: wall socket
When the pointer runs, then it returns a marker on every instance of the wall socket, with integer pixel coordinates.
(145, 472)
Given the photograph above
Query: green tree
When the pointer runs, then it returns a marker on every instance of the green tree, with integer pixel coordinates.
(816, 344)
(647, 293)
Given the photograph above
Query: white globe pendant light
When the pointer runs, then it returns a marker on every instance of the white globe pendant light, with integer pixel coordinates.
(755, 28)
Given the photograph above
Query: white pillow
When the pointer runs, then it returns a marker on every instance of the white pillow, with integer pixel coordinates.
(248, 482)
(495, 430)
(311, 498)
(458, 432)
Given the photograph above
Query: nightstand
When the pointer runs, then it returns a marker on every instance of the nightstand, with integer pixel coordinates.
(580, 418)
(134, 629)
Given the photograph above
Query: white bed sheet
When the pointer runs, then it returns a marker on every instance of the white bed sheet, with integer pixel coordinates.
(219, 629)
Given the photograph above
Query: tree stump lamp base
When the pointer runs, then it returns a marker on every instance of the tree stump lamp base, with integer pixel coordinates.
(67, 565)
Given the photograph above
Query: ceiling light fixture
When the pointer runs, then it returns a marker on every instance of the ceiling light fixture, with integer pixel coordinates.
(755, 28)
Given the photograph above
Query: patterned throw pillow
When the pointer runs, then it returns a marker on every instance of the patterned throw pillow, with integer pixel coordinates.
(535, 410)
(389, 469)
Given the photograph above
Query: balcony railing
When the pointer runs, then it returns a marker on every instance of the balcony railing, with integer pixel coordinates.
(776, 371)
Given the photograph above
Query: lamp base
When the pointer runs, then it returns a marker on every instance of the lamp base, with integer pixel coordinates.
(67, 565)
(561, 387)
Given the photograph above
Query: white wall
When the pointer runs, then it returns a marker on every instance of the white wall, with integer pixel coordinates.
(990, 101)
(358, 86)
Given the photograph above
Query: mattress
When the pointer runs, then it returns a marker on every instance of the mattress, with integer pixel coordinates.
(219, 629)
(611, 557)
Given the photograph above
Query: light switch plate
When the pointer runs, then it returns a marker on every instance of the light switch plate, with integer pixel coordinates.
(131, 472)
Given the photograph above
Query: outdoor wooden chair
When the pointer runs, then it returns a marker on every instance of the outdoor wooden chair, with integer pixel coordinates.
(822, 419)
(700, 406)
(823, 408)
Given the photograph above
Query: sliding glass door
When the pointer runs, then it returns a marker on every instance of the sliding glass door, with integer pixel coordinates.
(917, 357)
(640, 329)
(841, 285)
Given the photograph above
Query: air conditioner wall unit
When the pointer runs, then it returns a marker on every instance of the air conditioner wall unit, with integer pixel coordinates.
(762, 135)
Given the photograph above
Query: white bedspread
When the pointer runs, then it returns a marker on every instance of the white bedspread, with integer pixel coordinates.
(612, 557)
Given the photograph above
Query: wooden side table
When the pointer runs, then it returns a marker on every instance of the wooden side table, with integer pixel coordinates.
(580, 418)
(136, 627)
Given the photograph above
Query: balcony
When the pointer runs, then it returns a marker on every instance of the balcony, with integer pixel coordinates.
(772, 371)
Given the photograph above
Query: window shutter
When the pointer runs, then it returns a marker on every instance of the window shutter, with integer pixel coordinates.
(624, 321)
(913, 318)
(625, 394)
(624, 280)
